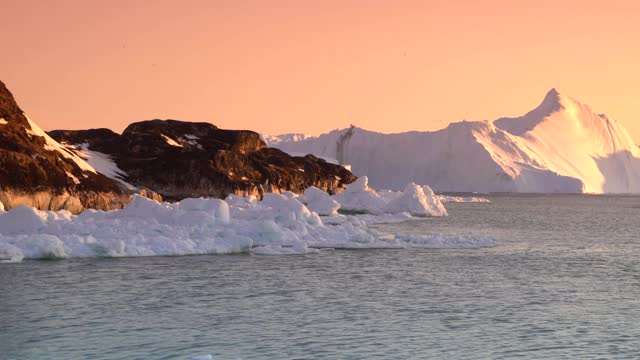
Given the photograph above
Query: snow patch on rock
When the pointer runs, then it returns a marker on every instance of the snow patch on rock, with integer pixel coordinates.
(103, 163)
(272, 140)
(53, 145)
(73, 178)
(170, 141)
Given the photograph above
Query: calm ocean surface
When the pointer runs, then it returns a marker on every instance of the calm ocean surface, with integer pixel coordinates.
(562, 282)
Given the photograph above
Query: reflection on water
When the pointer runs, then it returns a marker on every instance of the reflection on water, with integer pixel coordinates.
(563, 282)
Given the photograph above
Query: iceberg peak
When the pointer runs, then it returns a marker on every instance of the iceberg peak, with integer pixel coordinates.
(561, 146)
(518, 126)
(552, 102)
(551, 93)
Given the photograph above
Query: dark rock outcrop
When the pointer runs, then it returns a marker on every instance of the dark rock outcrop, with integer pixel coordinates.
(36, 171)
(184, 159)
(174, 158)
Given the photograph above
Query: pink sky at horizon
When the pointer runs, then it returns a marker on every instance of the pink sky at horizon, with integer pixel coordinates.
(303, 66)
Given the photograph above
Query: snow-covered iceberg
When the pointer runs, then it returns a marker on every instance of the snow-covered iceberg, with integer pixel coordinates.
(358, 197)
(417, 201)
(279, 224)
(562, 146)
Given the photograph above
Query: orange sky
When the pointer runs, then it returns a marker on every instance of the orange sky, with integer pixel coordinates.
(312, 66)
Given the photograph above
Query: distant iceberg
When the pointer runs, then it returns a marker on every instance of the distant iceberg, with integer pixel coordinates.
(562, 146)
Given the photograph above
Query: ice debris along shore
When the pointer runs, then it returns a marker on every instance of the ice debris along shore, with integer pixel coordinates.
(279, 224)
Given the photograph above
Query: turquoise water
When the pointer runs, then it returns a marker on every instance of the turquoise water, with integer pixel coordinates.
(563, 282)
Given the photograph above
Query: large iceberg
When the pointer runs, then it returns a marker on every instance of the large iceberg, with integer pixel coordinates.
(562, 146)
(279, 224)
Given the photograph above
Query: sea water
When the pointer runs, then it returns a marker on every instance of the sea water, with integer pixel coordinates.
(563, 281)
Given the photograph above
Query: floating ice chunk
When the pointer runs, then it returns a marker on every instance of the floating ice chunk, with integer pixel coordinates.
(359, 197)
(460, 199)
(378, 219)
(320, 202)
(440, 241)
(10, 253)
(414, 201)
(203, 357)
(433, 202)
(231, 243)
(42, 246)
(284, 250)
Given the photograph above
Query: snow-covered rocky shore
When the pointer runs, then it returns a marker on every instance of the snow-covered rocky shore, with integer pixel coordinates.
(279, 224)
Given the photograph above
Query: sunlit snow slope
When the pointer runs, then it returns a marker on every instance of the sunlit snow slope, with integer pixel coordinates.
(561, 146)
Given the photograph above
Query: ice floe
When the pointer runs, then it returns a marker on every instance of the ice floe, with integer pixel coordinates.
(320, 202)
(416, 202)
(358, 197)
(462, 199)
(203, 357)
(440, 241)
(279, 224)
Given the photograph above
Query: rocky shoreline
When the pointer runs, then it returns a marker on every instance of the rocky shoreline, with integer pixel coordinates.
(160, 159)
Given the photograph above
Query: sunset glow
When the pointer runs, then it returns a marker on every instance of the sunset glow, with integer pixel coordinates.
(282, 66)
